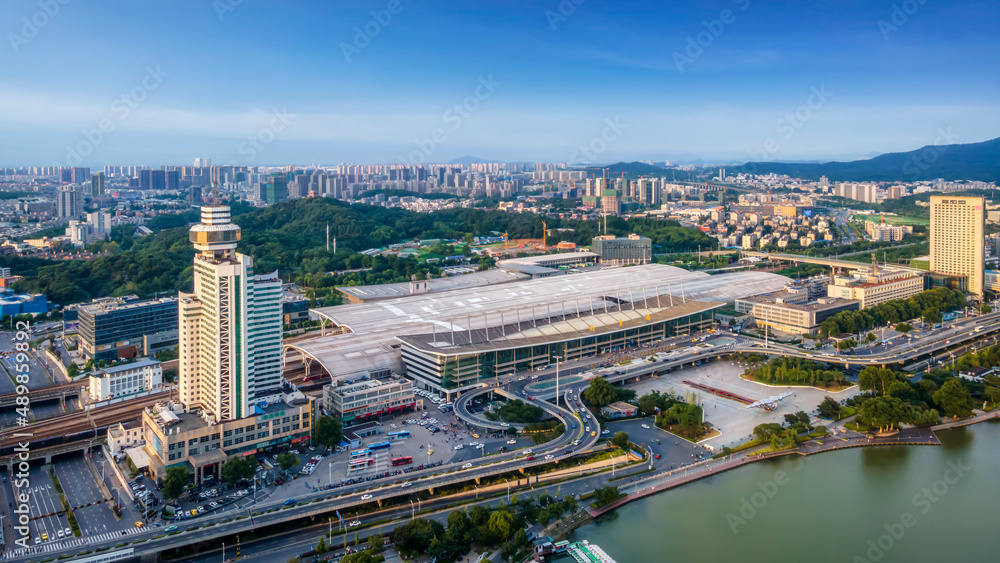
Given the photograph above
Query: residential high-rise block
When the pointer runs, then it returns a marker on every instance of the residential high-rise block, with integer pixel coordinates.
(958, 226)
(97, 185)
(229, 326)
(69, 202)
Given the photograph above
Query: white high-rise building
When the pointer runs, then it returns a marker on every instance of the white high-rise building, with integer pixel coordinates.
(230, 326)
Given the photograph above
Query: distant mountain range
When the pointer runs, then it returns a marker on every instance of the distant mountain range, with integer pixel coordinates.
(971, 161)
(633, 170)
(467, 160)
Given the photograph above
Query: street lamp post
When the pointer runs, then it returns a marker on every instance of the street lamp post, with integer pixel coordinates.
(508, 490)
(412, 513)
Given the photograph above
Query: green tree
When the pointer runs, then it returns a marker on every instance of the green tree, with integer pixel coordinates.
(238, 468)
(287, 460)
(903, 327)
(883, 411)
(984, 309)
(954, 399)
(174, 483)
(362, 557)
(328, 431)
(876, 379)
(605, 496)
(871, 337)
(932, 315)
(599, 393)
(765, 432)
(72, 370)
(501, 524)
(992, 387)
(620, 439)
(416, 535)
(321, 546)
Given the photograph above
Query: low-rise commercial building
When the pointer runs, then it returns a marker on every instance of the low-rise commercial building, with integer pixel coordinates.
(126, 379)
(632, 249)
(873, 288)
(175, 438)
(798, 318)
(369, 398)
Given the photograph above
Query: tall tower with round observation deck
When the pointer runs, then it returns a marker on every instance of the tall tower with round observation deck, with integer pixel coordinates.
(230, 326)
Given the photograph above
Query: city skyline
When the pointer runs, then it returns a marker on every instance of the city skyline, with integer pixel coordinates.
(379, 82)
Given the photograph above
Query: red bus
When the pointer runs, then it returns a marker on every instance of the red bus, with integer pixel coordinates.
(405, 460)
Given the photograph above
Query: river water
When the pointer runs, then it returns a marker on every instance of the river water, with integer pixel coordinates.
(886, 504)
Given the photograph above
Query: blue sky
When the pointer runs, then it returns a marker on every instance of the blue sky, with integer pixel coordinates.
(207, 79)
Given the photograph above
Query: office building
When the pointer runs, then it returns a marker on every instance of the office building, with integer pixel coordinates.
(115, 382)
(274, 190)
(69, 202)
(632, 249)
(230, 326)
(126, 327)
(958, 226)
(366, 398)
(874, 287)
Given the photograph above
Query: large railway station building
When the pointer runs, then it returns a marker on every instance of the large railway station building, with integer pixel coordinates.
(457, 340)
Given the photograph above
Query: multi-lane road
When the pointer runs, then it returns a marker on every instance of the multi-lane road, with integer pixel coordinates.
(708, 346)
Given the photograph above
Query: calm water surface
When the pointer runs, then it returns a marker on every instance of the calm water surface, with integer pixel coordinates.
(886, 504)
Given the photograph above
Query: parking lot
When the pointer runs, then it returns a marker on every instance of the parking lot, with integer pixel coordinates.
(49, 525)
(673, 451)
(732, 418)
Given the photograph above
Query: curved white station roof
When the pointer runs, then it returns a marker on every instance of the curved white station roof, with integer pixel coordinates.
(372, 328)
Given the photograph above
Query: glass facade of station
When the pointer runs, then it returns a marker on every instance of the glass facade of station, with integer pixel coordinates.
(453, 371)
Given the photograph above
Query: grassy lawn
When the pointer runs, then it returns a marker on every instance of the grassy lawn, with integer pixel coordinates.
(831, 388)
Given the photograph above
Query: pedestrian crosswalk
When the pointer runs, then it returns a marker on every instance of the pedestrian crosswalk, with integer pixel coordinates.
(73, 542)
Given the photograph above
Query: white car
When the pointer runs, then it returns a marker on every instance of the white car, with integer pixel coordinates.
(467, 466)
(366, 497)
(406, 484)
(550, 456)
(458, 447)
(480, 446)
(646, 426)
(473, 444)
(505, 425)
(511, 441)
(526, 452)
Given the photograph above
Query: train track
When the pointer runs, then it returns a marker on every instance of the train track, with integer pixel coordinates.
(77, 422)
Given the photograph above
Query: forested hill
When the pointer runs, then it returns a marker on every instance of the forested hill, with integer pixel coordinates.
(291, 237)
(972, 161)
